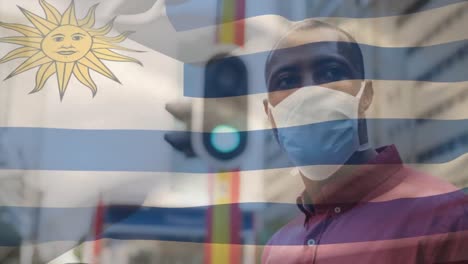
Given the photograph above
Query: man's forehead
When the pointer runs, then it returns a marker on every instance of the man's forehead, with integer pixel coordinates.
(311, 35)
(311, 42)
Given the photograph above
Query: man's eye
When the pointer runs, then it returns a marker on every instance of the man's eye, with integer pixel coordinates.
(331, 74)
(58, 39)
(77, 37)
(287, 82)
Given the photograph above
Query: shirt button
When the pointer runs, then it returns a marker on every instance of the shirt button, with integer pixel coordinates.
(310, 242)
(337, 210)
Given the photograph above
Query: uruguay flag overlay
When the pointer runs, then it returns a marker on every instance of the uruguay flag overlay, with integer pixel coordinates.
(233, 131)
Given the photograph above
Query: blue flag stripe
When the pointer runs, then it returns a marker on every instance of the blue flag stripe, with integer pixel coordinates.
(147, 151)
(194, 14)
(449, 69)
(190, 224)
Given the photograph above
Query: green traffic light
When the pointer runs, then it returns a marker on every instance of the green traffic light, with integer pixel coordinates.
(225, 138)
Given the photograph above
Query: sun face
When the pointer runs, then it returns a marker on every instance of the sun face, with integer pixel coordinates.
(61, 44)
(67, 44)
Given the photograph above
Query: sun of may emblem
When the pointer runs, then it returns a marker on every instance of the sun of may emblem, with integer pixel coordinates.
(62, 45)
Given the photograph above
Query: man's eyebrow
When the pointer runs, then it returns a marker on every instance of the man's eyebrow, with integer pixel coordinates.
(58, 34)
(81, 34)
(338, 58)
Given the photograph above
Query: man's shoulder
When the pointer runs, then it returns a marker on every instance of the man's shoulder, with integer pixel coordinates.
(417, 183)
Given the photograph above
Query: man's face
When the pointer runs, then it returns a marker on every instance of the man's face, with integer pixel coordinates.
(311, 57)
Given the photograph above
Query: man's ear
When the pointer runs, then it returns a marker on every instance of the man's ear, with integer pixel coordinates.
(367, 97)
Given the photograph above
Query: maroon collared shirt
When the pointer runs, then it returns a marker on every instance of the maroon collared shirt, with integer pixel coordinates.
(384, 213)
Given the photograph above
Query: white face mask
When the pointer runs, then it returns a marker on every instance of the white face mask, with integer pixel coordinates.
(318, 128)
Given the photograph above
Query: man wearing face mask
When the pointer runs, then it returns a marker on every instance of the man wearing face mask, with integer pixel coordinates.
(360, 205)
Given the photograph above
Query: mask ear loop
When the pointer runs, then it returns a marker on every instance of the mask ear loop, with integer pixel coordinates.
(270, 114)
(366, 145)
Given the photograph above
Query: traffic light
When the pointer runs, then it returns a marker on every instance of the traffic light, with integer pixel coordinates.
(222, 114)
(181, 140)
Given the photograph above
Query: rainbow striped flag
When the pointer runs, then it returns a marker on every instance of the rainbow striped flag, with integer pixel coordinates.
(224, 188)
(231, 29)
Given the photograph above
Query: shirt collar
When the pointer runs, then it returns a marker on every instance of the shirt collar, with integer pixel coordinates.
(367, 182)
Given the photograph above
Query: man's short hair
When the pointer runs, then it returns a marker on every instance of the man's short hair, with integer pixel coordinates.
(310, 24)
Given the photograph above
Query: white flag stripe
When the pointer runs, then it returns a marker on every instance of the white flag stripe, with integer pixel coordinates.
(67, 189)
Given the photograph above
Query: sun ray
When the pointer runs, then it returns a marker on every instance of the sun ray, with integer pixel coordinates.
(23, 29)
(69, 17)
(105, 54)
(43, 25)
(36, 60)
(116, 39)
(24, 52)
(90, 19)
(64, 72)
(102, 30)
(52, 14)
(100, 44)
(24, 41)
(43, 74)
(93, 62)
(81, 73)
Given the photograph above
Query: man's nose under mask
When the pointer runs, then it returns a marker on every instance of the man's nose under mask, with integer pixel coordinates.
(318, 129)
